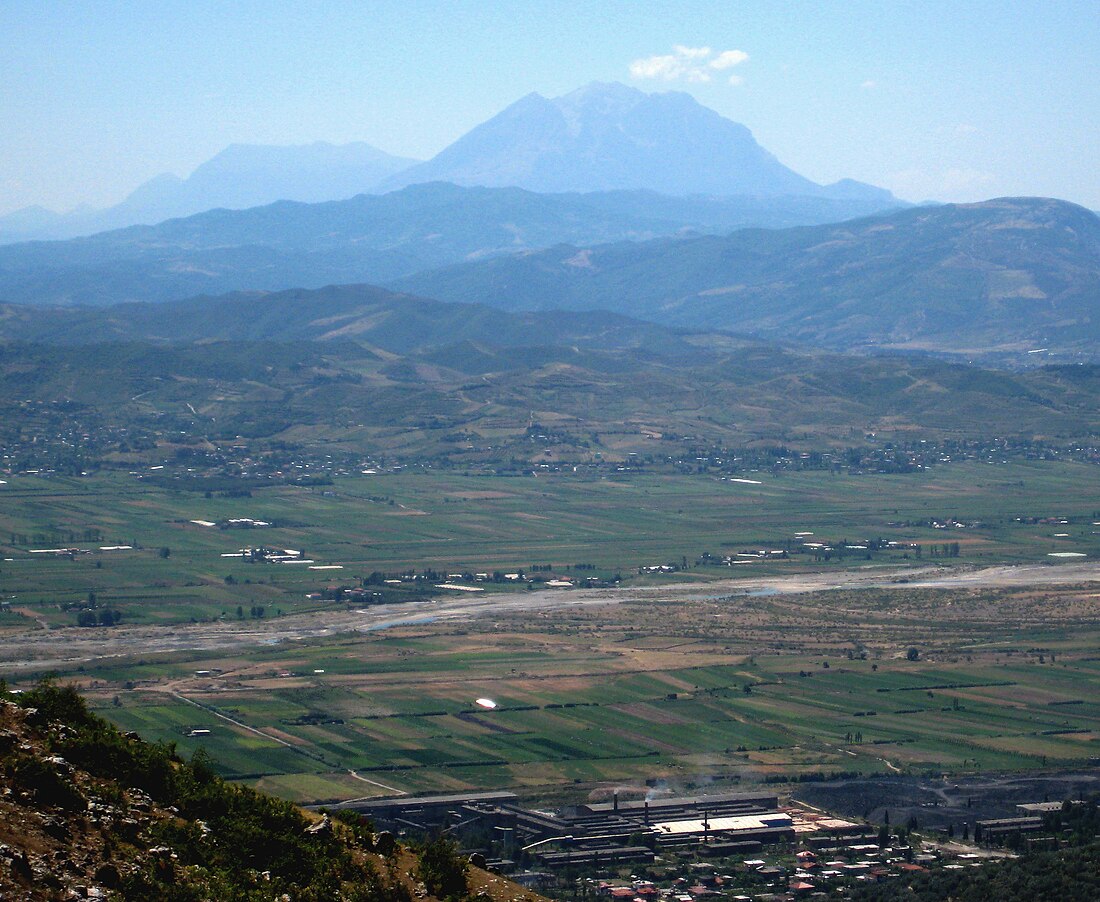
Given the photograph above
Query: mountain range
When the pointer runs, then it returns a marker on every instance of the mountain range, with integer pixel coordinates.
(603, 137)
(695, 226)
(368, 238)
(1005, 276)
(241, 176)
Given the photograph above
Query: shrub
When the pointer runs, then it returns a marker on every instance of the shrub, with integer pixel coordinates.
(443, 869)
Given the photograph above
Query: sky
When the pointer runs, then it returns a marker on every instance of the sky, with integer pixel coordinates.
(947, 101)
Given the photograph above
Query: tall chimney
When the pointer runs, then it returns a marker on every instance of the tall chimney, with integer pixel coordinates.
(647, 812)
(615, 801)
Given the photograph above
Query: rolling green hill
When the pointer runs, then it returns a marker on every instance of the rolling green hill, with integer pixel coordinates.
(362, 370)
(477, 402)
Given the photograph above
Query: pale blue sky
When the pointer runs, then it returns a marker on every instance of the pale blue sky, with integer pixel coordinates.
(939, 100)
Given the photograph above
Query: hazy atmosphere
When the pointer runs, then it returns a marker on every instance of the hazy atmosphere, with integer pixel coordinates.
(936, 100)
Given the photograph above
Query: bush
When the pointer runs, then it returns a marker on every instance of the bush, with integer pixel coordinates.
(442, 869)
(46, 784)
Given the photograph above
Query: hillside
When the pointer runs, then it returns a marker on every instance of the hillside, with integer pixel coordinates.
(365, 314)
(87, 812)
(368, 239)
(474, 403)
(605, 137)
(1006, 275)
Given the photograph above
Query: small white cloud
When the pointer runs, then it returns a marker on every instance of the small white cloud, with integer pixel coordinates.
(690, 64)
(869, 85)
(727, 59)
(736, 80)
(965, 129)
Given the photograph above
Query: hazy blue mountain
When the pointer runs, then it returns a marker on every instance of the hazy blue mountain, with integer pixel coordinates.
(366, 239)
(398, 323)
(1007, 275)
(603, 137)
(241, 176)
(26, 221)
(606, 137)
(247, 175)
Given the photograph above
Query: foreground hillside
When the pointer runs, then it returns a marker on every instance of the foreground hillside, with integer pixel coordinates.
(1007, 275)
(87, 812)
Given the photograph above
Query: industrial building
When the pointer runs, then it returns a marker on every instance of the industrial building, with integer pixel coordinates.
(595, 833)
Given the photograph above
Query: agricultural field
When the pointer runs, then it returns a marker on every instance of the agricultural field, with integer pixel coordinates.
(152, 553)
(901, 661)
(678, 688)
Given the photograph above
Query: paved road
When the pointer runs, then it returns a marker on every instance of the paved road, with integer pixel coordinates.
(62, 648)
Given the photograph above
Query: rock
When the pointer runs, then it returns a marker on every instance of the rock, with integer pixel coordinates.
(21, 867)
(57, 828)
(108, 875)
(322, 828)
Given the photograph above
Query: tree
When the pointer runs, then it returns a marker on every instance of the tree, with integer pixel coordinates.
(912, 655)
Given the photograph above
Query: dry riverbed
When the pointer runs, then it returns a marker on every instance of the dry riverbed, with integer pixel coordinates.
(68, 647)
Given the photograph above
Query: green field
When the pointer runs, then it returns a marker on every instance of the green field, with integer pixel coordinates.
(400, 522)
(686, 689)
(636, 692)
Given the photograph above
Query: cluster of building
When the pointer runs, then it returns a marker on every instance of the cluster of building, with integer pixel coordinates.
(690, 849)
(264, 555)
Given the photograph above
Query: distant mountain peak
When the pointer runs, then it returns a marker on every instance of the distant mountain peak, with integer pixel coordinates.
(608, 136)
